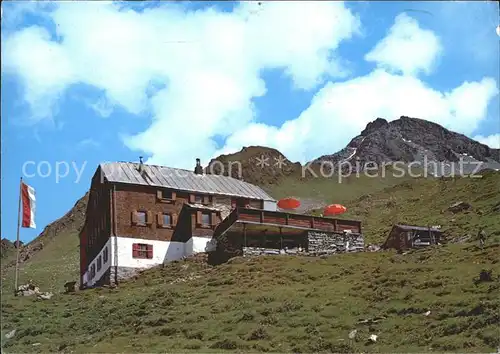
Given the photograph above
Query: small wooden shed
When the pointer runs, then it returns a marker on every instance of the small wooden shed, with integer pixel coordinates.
(404, 237)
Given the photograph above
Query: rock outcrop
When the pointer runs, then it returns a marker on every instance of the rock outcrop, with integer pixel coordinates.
(416, 140)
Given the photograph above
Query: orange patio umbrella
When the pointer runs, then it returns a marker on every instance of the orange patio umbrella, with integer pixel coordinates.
(288, 203)
(334, 209)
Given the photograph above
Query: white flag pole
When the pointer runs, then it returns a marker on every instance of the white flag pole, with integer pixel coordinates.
(18, 227)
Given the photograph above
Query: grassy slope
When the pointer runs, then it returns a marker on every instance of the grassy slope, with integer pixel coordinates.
(415, 201)
(278, 304)
(330, 189)
(425, 202)
(51, 267)
(57, 261)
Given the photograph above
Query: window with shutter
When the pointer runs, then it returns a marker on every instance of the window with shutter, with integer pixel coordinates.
(135, 250)
(205, 219)
(191, 198)
(99, 263)
(142, 250)
(105, 255)
(139, 217)
(166, 195)
(167, 220)
(198, 199)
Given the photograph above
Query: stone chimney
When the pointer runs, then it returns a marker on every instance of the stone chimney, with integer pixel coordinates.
(198, 169)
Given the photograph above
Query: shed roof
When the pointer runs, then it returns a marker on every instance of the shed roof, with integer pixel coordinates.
(180, 179)
(417, 228)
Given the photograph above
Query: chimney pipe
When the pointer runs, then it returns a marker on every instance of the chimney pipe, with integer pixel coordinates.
(140, 164)
(198, 169)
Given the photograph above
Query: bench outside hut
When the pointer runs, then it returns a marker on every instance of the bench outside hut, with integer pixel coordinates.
(404, 237)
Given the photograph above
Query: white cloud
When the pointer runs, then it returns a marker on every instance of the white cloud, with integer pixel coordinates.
(196, 73)
(407, 48)
(209, 79)
(88, 143)
(43, 66)
(493, 141)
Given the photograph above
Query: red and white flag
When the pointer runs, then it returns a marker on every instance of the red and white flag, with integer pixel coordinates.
(28, 199)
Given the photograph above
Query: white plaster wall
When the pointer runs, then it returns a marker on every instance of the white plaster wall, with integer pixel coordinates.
(196, 245)
(163, 251)
(270, 205)
(104, 265)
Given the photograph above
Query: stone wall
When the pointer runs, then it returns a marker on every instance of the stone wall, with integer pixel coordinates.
(327, 242)
(258, 251)
(123, 273)
(319, 243)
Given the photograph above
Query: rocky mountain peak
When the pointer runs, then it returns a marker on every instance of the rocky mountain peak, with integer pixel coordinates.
(410, 139)
(375, 125)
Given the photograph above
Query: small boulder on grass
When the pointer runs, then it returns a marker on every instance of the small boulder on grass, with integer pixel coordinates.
(11, 334)
(459, 206)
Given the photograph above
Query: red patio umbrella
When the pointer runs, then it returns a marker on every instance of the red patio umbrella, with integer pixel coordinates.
(334, 209)
(288, 203)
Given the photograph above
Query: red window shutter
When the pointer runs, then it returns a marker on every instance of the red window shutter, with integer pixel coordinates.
(191, 198)
(198, 217)
(214, 219)
(206, 199)
(135, 250)
(149, 218)
(159, 216)
(174, 219)
(134, 217)
(150, 251)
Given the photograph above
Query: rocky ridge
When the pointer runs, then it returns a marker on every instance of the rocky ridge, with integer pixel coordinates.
(410, 140)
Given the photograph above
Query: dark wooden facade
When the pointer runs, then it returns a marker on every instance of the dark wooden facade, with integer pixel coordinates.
(289, 220)
(190, 222)
(402, 237)
(113, 208)
(272, 229)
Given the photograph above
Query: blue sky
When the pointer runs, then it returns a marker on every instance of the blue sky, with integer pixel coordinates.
(84, 83)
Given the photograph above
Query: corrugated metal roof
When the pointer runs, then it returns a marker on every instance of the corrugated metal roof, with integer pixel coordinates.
(185, 180)
(418, 228)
